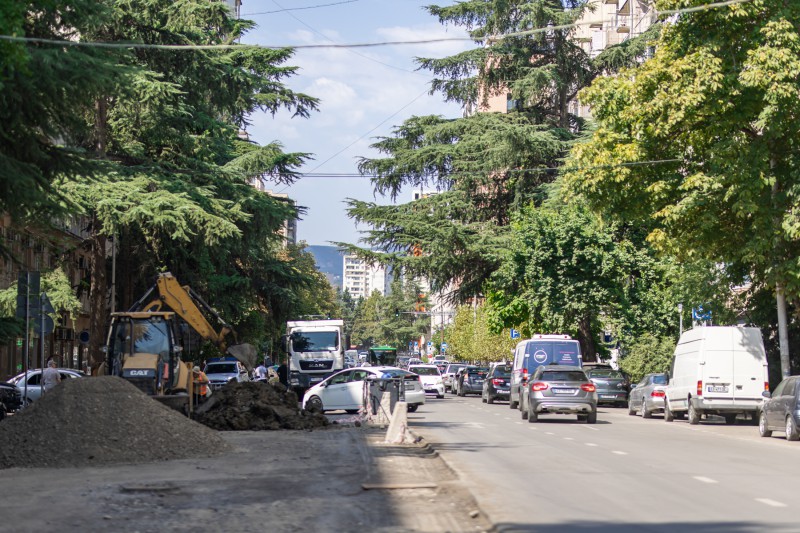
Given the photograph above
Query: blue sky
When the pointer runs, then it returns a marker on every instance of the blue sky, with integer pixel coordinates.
(364, 93)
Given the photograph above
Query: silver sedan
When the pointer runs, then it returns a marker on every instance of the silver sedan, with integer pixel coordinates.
(33, 379)
(647, 396)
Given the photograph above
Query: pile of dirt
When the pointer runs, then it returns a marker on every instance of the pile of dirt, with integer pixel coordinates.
(97, 421)
(256, 405)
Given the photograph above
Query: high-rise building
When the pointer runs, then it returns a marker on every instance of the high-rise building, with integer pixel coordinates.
(361, 279)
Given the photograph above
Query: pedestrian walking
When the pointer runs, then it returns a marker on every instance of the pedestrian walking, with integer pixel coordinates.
(50, 376)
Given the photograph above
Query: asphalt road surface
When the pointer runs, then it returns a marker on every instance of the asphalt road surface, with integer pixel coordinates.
(623, 474)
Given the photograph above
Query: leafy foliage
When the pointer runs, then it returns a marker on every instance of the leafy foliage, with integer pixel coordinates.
(647, 354)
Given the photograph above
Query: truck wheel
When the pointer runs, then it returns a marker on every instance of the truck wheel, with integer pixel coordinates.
(762, 426)
(668, 416)
(694, 416)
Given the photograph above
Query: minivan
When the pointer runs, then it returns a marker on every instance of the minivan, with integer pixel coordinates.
(717, 370)
(537, 351)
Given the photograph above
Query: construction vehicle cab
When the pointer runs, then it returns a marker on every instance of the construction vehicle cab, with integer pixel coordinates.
(142, 349)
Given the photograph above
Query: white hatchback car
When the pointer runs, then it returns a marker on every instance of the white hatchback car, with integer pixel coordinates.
(431, 377)
(345, 389)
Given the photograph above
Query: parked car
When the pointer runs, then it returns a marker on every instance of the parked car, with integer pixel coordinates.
(10, 399)
(470, 380)
(612, 386)
(559, 389)
(431, 379)
(449, 374)
(719, 370)
(33, 379)
(781, 410)
(647, 396)
(344, 390)
(497, 385)
(222, 372)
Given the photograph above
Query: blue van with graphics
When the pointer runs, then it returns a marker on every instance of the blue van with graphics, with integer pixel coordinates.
(537, 351)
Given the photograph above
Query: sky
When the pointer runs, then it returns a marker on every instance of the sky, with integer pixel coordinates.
(365, 93)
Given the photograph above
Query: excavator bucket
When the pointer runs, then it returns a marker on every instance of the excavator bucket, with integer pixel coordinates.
(245, 353)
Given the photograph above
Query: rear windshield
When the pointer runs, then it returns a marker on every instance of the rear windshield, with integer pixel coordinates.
(481, 373)
(424, 370)
(452, 369)
(562, 375)
(502, 371)
(611, 374)
(221, 368)
(659, 380)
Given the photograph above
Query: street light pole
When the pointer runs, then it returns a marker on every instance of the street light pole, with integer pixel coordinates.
(680, 318)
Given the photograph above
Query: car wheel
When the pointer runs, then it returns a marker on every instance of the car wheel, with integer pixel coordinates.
(762, 426)
(694, 416)
(511, 403)
(791, 429)
(646, 413)
(523, 412)
(413, 408)
(314, 404)
(591, 418)
(730, 419)
(533, 416)
(668, 416)
(631, 408)
(351, 411)
(440, 396)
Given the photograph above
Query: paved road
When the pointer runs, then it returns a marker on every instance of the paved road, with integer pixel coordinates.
(623, 474)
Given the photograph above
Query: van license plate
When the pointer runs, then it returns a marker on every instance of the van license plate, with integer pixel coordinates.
(717, 388)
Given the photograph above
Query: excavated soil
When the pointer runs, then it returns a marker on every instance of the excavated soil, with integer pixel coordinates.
(256, 405)
(101, 421)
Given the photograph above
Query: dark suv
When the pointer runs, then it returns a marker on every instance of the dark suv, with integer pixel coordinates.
(498, 384)
(559, 389)
(10, 399)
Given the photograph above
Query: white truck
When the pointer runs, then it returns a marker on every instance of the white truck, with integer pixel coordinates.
(315, 349)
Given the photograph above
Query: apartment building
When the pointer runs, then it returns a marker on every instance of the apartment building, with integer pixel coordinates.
(361, 279)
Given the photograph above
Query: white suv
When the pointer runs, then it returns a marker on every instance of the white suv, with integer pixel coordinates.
(220, 373)
(431, 378)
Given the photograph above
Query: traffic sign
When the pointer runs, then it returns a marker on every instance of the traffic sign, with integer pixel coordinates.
(444, 347)
(514, 334)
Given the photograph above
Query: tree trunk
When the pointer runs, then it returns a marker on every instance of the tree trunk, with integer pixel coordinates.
(586, 340)
(783, 335)
(98, 295)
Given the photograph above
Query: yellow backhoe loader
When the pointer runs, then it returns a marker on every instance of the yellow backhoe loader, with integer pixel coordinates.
(142, 346)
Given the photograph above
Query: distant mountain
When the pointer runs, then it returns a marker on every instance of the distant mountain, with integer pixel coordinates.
(330, 261)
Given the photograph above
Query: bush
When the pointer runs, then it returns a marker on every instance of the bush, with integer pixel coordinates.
(646, 355)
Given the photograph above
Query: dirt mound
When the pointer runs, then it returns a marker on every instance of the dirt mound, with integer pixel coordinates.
(101, 420)
(256, 405)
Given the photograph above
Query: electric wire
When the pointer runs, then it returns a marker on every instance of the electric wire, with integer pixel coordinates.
(298, 8)
(489, 39)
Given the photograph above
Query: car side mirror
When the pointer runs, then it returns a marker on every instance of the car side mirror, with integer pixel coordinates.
(634, 385)
(766, 394)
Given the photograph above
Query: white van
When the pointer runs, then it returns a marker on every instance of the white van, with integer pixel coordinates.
(720, 370)
(537, 351)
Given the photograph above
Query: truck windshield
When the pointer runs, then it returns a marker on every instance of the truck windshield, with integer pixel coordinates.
(315, 341)
(149, 336)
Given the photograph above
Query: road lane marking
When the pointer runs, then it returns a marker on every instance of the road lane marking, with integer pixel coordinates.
(591, 444)
(590, 427)
(771, 503)
(705, 479)
(506, 418)
(549, 433)
(619, 452)
(568, 438)
(520, 423)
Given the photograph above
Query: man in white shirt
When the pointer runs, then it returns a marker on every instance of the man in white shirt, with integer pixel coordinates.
(50, 376)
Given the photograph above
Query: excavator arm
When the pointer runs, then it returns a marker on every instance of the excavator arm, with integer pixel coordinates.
(187, 304)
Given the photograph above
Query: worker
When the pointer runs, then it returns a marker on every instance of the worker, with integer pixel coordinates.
(201, 389)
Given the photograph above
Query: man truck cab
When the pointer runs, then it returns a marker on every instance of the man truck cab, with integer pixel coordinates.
(537, 351)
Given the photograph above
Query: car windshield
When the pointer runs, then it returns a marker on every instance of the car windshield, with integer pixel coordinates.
(610, 374)
(660, 380)
(562, 375)
(315, 341)
(221, 368)
(425, 370)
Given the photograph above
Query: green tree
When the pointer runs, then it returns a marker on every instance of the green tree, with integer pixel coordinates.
(713, 117)
(471, 337)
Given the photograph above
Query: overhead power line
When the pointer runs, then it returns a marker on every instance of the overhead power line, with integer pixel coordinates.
(283, 10)
(489, 39)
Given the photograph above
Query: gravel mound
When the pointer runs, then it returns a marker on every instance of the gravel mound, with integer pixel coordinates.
(256, 405)
(100, 421)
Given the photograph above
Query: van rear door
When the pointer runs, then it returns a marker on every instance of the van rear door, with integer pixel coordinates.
(716, 361)
(750, 365)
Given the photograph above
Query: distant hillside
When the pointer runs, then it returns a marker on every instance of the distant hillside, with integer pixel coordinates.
(329, 261)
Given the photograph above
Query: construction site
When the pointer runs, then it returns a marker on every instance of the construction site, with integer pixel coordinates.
(98, 454)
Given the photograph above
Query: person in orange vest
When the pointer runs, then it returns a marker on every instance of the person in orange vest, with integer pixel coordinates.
(200, 384)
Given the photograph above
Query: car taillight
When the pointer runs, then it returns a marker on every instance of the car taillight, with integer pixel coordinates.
(539, 386)
(766, 385)
(524, 375)
(498, 381)
(657, 394)
(588, 387)
(700, 388)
